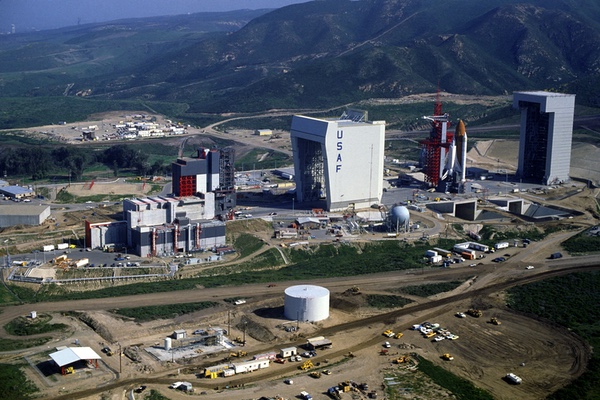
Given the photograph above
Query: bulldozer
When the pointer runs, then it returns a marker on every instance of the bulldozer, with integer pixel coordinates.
(315, 374)
(447, 357)
(239, 353)
(388, 333)
(495, 321)
(474, 312)
(399, 335)
(355, 290)
(306, 365)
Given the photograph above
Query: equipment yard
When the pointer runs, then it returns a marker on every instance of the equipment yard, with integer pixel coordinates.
(545, 356)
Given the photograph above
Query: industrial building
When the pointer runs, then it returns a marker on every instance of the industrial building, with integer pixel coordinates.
(16, 192)
(164, 225)
(210, 171)
(203, 188)
(338, 161)
(306, 303)
(159, 226)
(545, 136)
(21, 214)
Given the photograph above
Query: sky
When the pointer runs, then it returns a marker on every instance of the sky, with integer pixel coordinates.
(49, 14)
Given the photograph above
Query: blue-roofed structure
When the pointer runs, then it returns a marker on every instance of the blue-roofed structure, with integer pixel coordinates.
(16, 192)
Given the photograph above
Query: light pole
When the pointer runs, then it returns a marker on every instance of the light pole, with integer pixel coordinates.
(120, 357)
(7, 255)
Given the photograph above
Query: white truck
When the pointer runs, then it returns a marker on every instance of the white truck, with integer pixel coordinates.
(82, 263)
(512, 378)
(62, 246)
(48, 247)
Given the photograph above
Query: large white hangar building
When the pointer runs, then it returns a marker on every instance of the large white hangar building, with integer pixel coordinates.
(339, 160)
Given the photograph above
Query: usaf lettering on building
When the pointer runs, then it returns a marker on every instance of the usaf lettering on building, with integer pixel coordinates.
(340, 136)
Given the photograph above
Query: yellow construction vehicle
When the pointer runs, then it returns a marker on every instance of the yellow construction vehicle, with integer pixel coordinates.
(345, 386)
(430, 335)
(447, 357)
(388, 333)
(495, 321)
(399, 335)
(306, 365)
(239, 353)
(355, 290)
(402, 359)
(474, 313)
(69, 370)
(315, 374)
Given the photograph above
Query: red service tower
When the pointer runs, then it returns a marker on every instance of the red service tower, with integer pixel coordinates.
(435, 148)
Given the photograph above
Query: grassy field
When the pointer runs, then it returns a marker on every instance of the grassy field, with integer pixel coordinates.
(166, 311)
(20, 344)
(571, 301)
(14, 384)
(325, 261)
(386, 301)
(582, 244)
(430, 289)
(24, 326)
(461, 388)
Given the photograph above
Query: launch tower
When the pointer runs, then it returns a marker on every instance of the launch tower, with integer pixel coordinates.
(434, 149)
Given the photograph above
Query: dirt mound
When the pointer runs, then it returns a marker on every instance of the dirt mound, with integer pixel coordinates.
(347, 304)
(97, 326)
(255, 330)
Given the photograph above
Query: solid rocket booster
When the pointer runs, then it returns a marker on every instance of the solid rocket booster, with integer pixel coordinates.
(460, 136)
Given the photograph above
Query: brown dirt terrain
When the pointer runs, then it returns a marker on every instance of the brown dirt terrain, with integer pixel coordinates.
(484, 353)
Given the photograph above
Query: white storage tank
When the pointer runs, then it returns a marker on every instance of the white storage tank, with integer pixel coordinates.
(167, 344)
(306, 303)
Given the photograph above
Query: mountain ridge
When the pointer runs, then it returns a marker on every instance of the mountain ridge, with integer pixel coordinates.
(316, 54)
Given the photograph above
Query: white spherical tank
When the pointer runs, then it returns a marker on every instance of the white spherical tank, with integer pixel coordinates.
(400, 215)
(306, 303)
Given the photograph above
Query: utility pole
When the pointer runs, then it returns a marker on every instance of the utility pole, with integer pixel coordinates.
(245, 324)
(120, 357)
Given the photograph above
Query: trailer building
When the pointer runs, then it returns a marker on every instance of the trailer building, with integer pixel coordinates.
(288, 352)
(249, 366)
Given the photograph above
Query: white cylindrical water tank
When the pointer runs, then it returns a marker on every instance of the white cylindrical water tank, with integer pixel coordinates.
(167, 344)
(306, 303)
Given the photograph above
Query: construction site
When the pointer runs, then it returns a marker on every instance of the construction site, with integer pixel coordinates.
(370, 352)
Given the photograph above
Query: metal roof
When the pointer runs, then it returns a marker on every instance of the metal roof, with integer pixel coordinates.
(306, 220)
(73, 354)
(16, 190)
(22, 209)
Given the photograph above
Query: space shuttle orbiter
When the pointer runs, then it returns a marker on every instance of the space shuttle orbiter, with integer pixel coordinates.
(456, 162)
